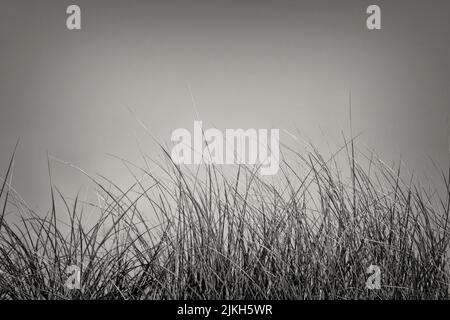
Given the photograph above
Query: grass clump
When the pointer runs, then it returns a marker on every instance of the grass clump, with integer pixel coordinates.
(311, 232)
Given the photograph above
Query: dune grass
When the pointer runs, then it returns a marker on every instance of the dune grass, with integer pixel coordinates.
(311, 232)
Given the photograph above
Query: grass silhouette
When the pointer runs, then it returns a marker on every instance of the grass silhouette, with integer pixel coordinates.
(309, 233)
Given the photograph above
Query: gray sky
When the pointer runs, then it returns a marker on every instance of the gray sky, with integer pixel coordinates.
(250, 64)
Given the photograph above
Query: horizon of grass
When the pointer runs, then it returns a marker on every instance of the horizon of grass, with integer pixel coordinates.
(311, 232)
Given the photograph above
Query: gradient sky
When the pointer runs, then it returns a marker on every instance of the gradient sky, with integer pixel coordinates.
(249, 64)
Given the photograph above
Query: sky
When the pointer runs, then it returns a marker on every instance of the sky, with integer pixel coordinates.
(232, 64)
